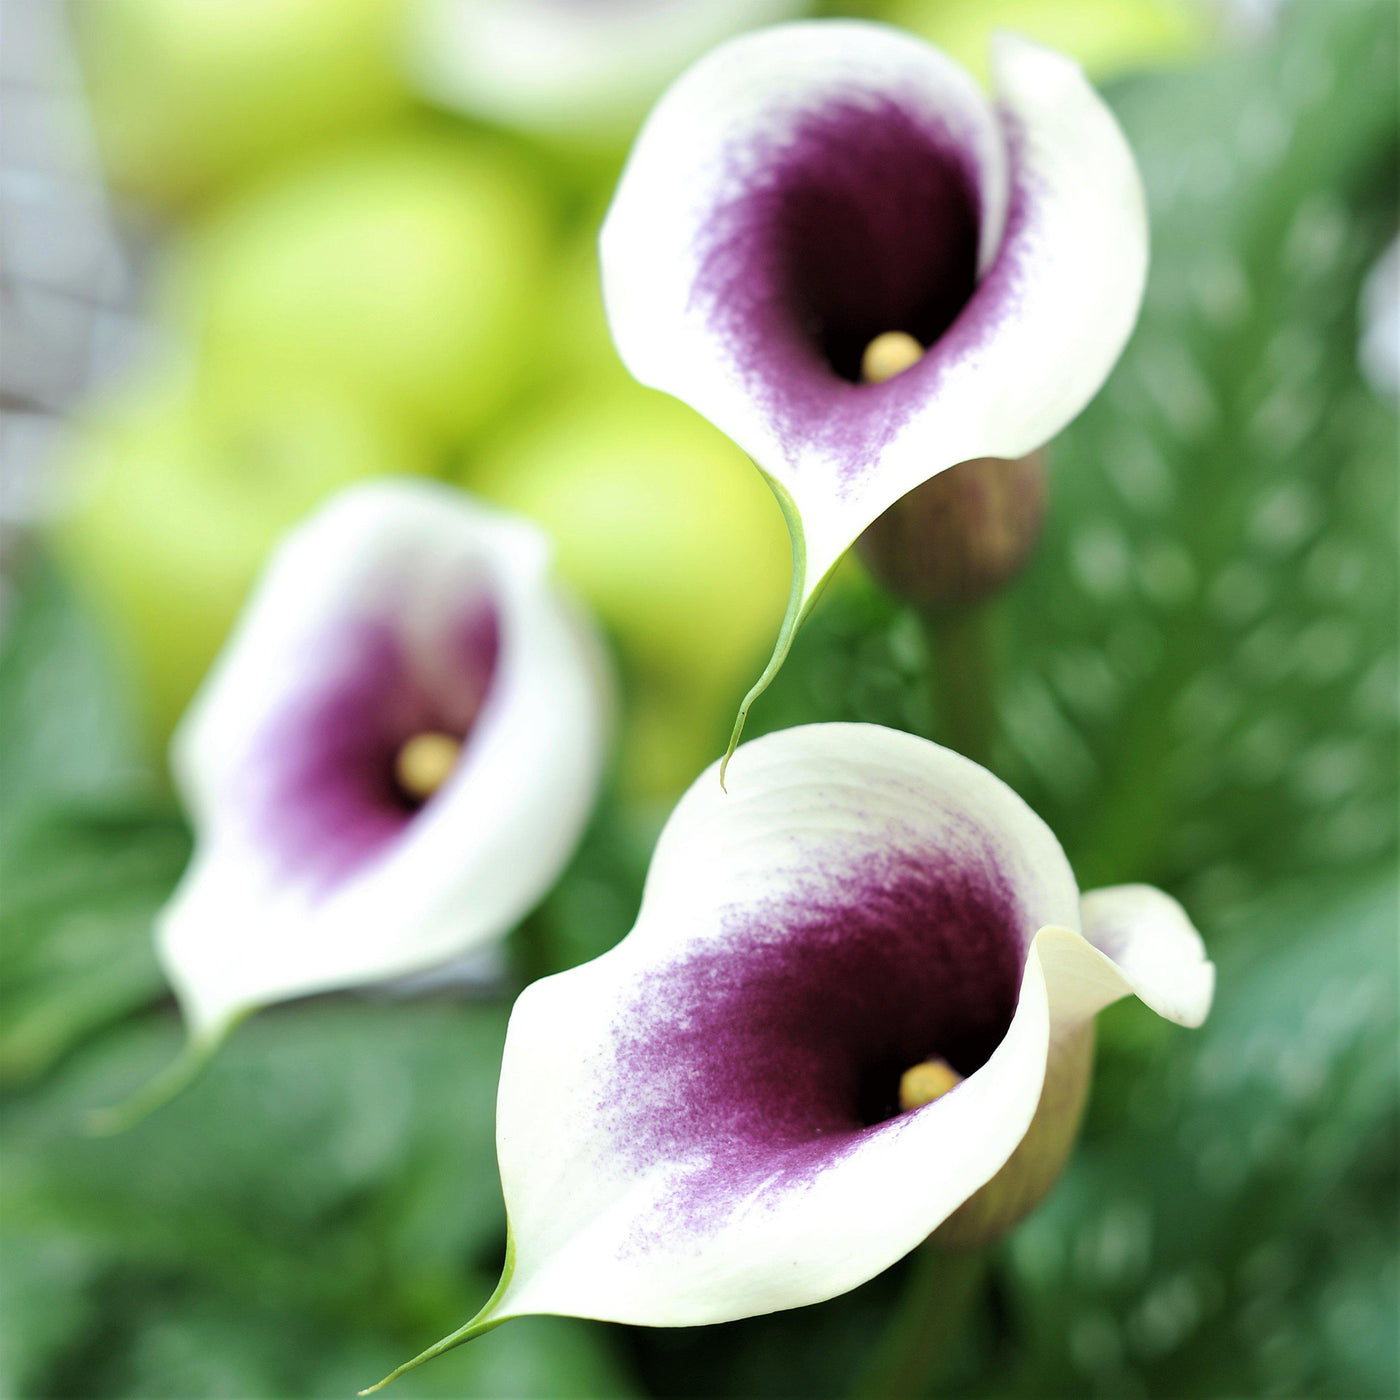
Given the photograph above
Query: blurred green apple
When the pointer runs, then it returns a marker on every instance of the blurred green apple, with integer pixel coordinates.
(175, 503)
(405, 273)
(189, 95)
(1109, 37)
(666, 529)
(576, 343)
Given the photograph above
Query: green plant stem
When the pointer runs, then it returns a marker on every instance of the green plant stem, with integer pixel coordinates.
(960, 647)
(938, 1298)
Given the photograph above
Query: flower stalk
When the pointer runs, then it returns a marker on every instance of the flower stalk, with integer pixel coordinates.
(940, 1292)
(948, 548)
(963, 666)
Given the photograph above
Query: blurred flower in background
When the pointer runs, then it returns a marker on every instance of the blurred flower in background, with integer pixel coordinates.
(1108, 37)
(1380, 323)
(258, 251)
(392, 760)
(573, 71)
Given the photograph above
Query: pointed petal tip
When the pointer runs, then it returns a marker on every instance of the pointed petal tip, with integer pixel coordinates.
(453, 1339)
(167, 1085)
(800, 601)
(737, 733)
(478, 1326)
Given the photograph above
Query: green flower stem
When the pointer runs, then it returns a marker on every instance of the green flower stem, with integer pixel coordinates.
(963, 664)
(938, 1299)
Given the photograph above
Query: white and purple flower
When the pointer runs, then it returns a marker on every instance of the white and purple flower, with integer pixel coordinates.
(834, 246)
(390, 762)
(857, 1008)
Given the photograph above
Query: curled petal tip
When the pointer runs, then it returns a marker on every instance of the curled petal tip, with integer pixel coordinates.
(1151, 940)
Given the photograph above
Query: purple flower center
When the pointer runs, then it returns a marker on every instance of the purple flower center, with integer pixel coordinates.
(863, 219)
(767, 1054)
(326, 797)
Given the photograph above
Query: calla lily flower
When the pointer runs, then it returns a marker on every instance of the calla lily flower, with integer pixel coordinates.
(856, 1009)
(835, 247)
(568, 67)
(390, 762)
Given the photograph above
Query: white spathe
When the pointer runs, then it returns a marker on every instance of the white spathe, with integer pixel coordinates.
(398, 605)
(563, 67)
(669, 1126)
(1061, 261)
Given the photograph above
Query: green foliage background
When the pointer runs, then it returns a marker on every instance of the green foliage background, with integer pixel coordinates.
(1196, 687)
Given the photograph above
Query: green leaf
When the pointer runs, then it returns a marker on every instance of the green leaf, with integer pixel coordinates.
(47, 1298)
(81, 892)
(320, 1205)
(88, 849)
(1202, 660)
(67, 733)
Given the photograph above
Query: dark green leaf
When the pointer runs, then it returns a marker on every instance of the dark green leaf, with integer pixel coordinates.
(88, 851)
(318, 1207)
